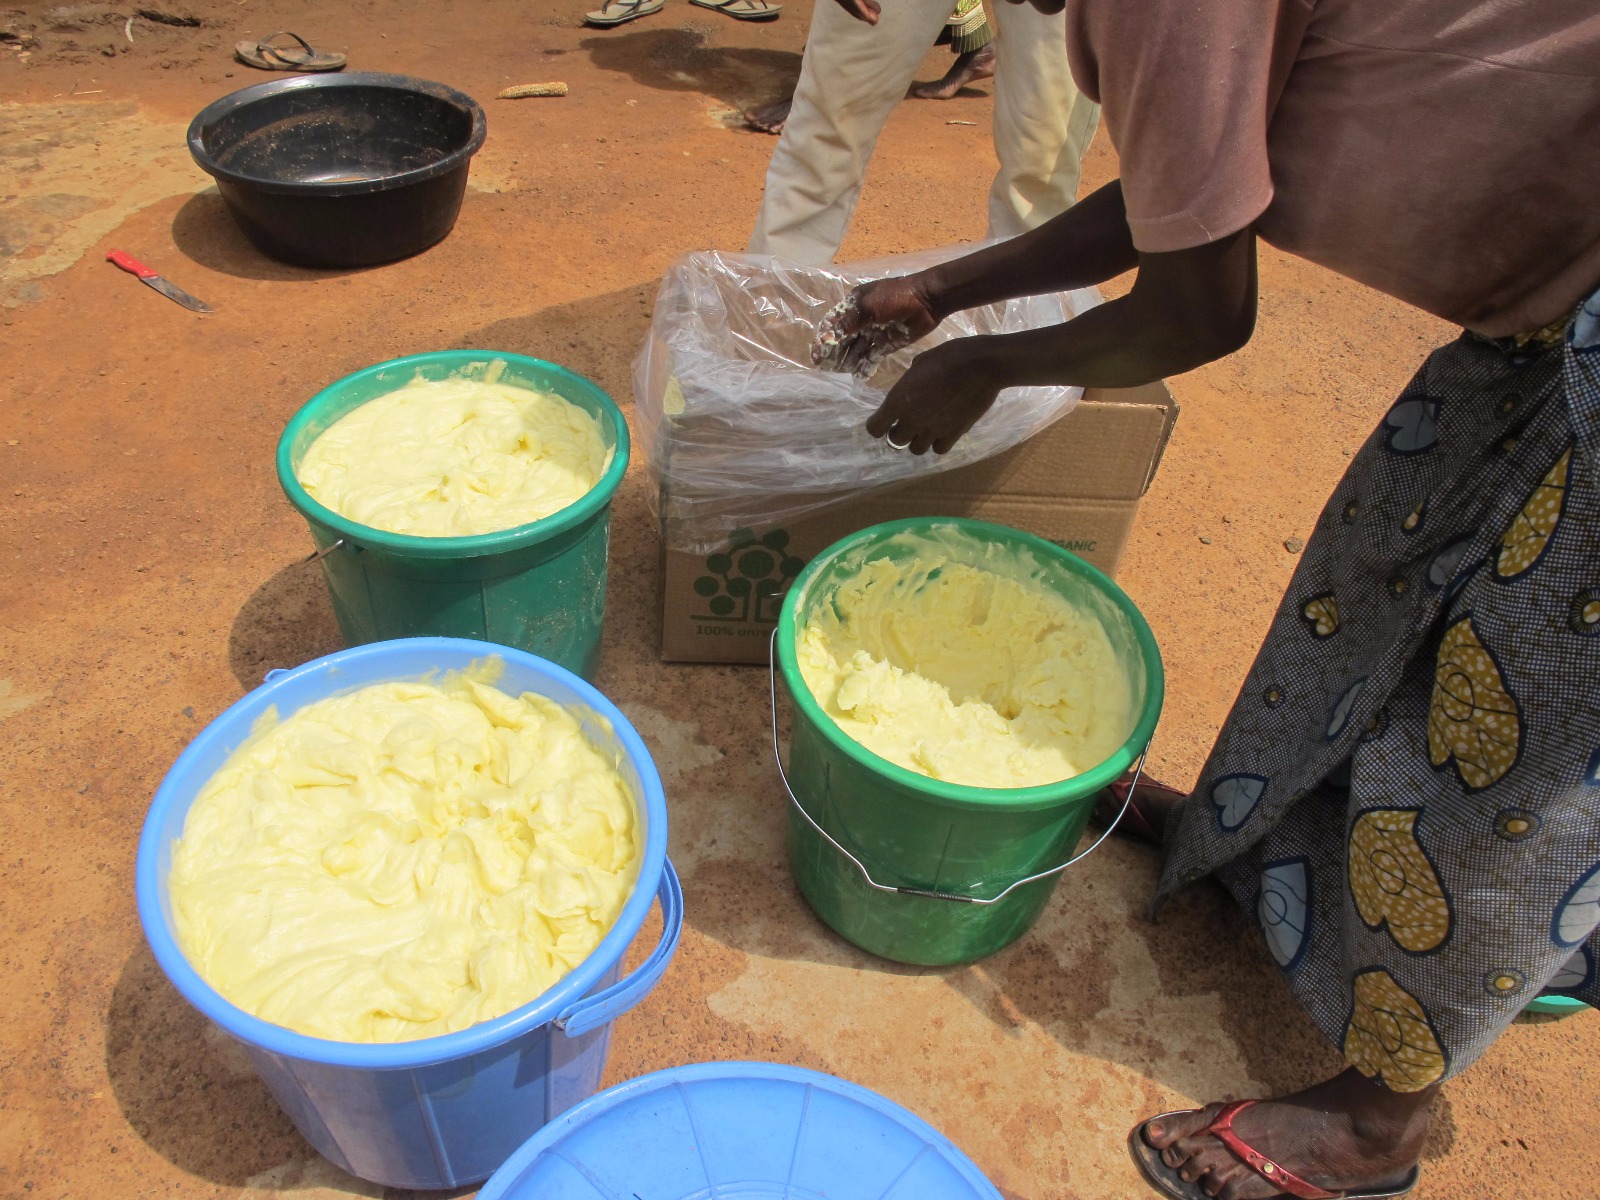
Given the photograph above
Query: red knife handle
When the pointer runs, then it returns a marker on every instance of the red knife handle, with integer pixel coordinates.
(131, 265)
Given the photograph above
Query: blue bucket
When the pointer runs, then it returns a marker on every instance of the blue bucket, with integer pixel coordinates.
(738, 1131)
(440, 1112)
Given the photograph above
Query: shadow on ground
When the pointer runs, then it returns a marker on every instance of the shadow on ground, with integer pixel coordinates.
(597, 337)
(205, 232)
(287, 621)
(684, 60)
(185, 1089)
(190, 1092)
(1059, 975)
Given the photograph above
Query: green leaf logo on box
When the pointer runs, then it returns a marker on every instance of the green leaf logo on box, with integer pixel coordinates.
(748, 580)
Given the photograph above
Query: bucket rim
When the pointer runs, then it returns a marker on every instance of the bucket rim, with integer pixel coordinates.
(477, 545)
(200, 127)
(960, 795)
(503, 1184)
(180, 785)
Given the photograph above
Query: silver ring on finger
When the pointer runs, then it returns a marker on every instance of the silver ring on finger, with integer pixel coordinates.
(894, 445)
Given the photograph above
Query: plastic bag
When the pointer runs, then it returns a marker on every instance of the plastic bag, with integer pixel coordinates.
(742, 432)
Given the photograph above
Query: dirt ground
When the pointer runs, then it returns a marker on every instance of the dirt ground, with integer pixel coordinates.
(154, 574)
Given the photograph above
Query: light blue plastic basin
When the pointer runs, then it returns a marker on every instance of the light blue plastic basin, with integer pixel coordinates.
(738, 1131)
(440, 1112)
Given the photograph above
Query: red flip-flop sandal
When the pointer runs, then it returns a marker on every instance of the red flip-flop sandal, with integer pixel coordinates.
(1169, 1183)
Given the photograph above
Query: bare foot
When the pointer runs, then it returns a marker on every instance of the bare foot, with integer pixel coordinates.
(1348, 1134)
(1146, 817)
(968, 68)
(770, 117)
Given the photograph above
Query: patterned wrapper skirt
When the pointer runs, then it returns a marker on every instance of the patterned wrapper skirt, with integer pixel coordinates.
(1406, 795)
(967, 29)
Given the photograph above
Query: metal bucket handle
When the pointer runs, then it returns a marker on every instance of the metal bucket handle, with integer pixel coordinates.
(319, 555)
(777, 757)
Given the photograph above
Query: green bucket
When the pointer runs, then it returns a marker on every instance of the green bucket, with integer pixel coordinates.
(916, 869)
(539, 587)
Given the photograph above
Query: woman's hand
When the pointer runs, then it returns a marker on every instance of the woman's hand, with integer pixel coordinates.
(904, 300)
(874, 321)
(939, 399)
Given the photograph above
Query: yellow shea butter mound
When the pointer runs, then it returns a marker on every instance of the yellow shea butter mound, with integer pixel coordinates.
(456, 457)
(966, 675)
(404, 861)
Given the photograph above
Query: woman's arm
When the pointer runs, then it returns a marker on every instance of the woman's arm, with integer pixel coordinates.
(1084, 246)
(1186, 308)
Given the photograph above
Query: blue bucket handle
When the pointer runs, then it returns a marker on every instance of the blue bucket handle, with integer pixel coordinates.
(605, 1006)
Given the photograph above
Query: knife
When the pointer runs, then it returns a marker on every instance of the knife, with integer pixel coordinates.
(146, 276)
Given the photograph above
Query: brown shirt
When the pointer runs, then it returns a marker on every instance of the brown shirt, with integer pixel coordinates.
(1446, 152)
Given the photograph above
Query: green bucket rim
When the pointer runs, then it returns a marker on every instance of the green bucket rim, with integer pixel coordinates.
(962, 795)
(475, 545)
(1555, 1005)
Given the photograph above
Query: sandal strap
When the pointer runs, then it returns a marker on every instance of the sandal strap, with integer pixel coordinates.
(266, 42)
(268, 50)
(1274, 1173)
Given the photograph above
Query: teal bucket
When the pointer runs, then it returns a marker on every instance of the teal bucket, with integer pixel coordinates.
(539, 587)
(920, 870)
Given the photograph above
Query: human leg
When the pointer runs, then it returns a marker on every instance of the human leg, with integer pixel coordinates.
(1358, 1137)
(769, 118)
(971, 39)
(851, 78)
(973, 66)
(1042, 123)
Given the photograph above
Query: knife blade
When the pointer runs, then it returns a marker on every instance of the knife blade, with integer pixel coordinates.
(148, 277)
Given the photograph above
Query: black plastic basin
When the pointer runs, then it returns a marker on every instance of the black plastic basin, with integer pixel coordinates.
(341, 170)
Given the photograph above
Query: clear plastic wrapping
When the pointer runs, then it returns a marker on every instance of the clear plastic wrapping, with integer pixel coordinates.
(741, 431)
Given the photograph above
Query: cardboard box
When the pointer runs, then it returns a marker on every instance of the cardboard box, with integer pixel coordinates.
(1078, 484)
